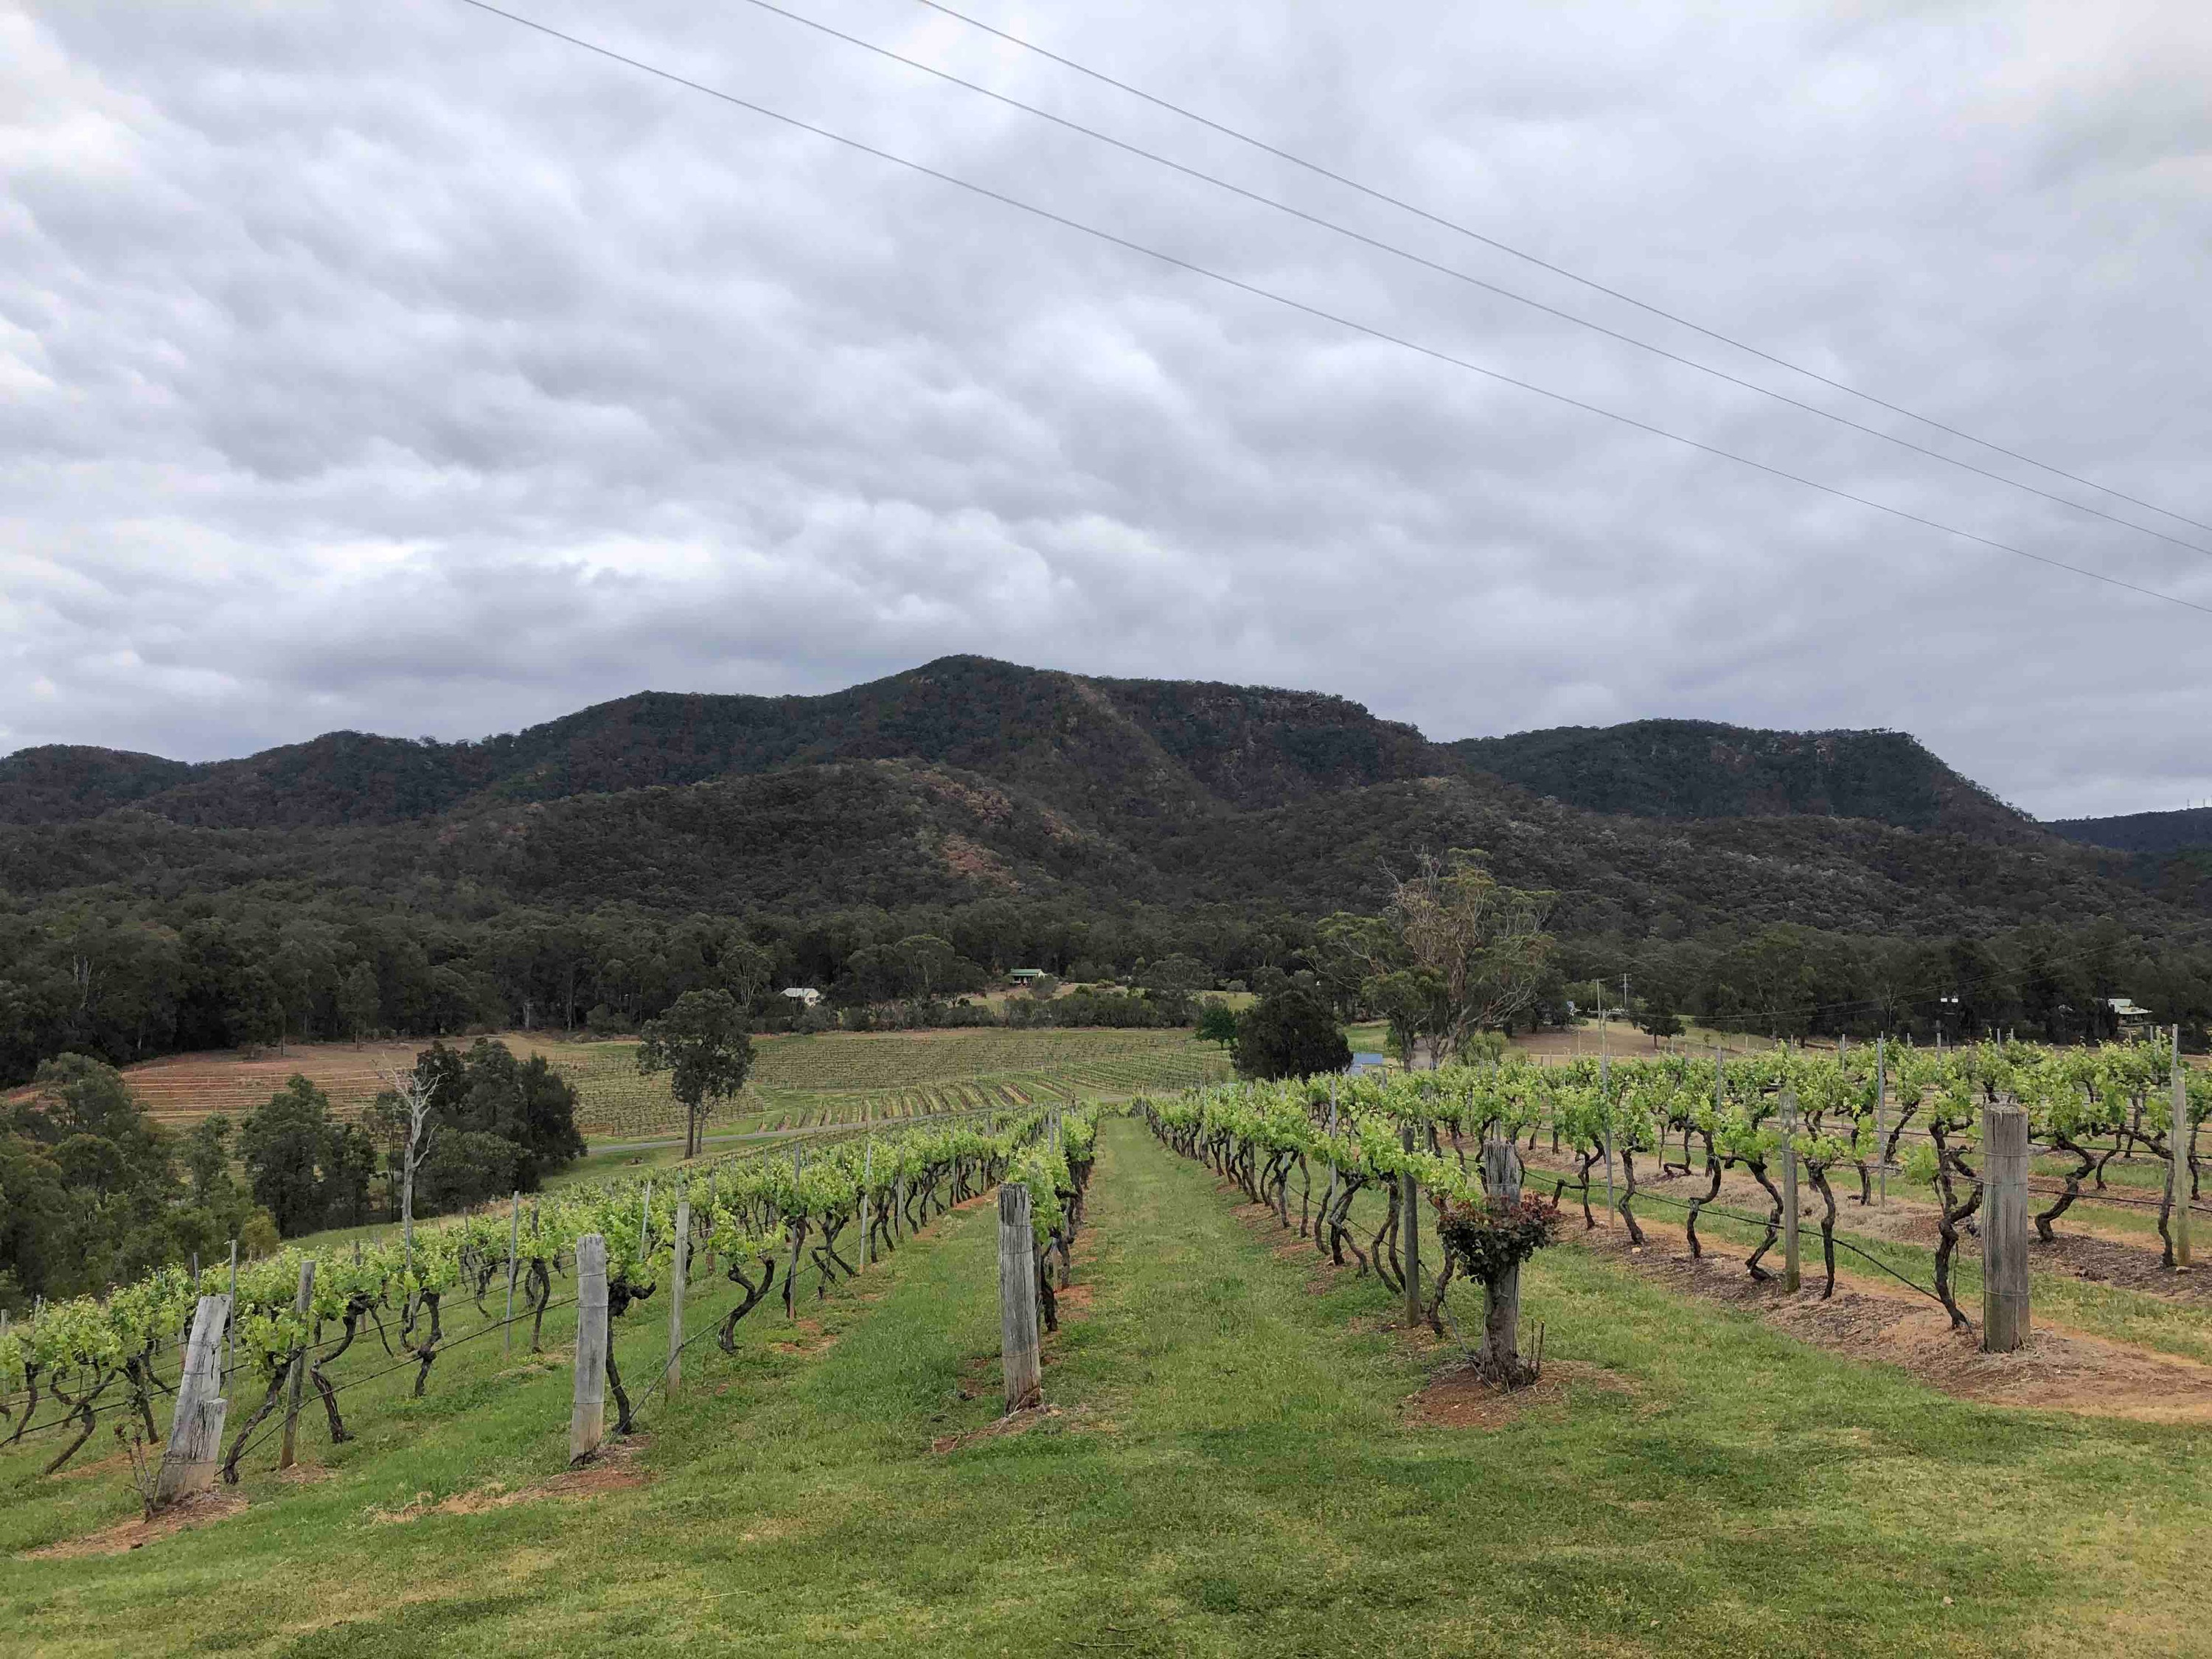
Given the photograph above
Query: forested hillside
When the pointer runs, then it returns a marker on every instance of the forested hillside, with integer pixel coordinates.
(1697, 769)
(2141, 832)
(602, 863)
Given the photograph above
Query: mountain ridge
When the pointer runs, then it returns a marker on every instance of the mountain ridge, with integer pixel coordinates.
(1117, 751)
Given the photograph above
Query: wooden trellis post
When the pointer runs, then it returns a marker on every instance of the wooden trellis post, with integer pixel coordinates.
(1410, 1230)
(2177, 1167)
(1501, 1318)
(1881, 1114)
(1792, 1273)
(2004, 1228)
(296, 1382)
(675, 1375)
(587, 1415)
(1017, 1297)
(1605, 1105)
(195, 1447)
(867, 1204)
(513, 1247)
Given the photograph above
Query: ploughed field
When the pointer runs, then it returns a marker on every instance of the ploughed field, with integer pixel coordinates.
(1240, 1452)
(797, 1082)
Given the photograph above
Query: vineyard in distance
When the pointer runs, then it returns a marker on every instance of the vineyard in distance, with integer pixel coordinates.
(797, 1082)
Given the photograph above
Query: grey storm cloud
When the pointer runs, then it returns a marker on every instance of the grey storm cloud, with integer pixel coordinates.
(402, 369)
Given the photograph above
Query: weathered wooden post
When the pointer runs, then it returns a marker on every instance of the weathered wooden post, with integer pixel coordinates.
(794, 1222)
(1605, 1104)
(587, 1415)
(195, 1447)
(297, 1382)
(1017, 1297)
(2177, 1167)
(2004, 1228)
(1409, 1199)
(1500, 1356)
(675, 1374)
(1881, 1120)
(898, 1207)
(514, 1248)
(1328, 1198)
(867, 1204)
(1792, 1273)
(231, 1325)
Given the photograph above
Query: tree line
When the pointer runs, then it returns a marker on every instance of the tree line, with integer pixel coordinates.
(122, 977)
(127, 977)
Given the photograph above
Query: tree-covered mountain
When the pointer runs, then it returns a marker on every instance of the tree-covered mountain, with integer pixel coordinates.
(1699, 769)
(66, 783)
(2141, 832)
(1117, 749)
(1030, 817)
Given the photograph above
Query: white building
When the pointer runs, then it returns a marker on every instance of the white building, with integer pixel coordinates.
(803, 994)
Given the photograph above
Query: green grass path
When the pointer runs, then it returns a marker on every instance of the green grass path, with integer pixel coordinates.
(1230, 1474)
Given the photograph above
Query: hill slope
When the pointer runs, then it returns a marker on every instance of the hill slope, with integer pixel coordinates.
(2141, 832)
(1699, 769)
(970, 779)
(1115, 747)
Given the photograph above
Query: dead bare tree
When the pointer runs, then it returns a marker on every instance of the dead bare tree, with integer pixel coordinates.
(414, 1093)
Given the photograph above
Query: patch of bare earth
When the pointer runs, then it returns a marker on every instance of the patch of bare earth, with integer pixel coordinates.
(805, 1337)
(614, 1469)
(1460, 1399)
(1019, 1422)
(988, 804)
(1072, 1302)
(184, 1516)
(2060, 1370)
(966, 858)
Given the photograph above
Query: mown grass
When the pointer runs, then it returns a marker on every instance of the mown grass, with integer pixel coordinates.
(1233, 1472)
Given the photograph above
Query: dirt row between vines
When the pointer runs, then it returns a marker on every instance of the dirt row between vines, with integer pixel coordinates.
(1877, 1319)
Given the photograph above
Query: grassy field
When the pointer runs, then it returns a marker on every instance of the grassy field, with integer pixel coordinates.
(797, 1082)
(1238, 1465)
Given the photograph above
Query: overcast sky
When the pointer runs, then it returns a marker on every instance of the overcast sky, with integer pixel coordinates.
(388, 366)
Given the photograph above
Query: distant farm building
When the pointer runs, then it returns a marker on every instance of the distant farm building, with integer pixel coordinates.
(1026, 975)
(806, 996)
(2131, 1020)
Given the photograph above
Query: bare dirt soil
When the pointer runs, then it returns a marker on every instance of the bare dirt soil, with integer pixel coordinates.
(2060, 1370)
(613, 1470)
(137, 1532)
(1459, 1398)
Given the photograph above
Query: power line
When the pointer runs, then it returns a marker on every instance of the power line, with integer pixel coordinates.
(1320, 313)
(1472, 281)
(1542, 263)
